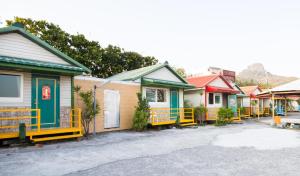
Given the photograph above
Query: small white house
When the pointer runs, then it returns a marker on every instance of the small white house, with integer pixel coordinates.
(212, 91)
(36, 85)
(162, 87)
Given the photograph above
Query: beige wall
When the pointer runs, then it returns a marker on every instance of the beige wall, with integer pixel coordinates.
(212, 113)
(128, 100)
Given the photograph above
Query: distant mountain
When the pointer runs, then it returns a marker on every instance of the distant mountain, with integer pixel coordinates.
(257, 74)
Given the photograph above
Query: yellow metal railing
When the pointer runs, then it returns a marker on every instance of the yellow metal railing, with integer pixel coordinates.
(267, 111)
(164, 116)
(75, 118)
(245, 114)
(10, 120)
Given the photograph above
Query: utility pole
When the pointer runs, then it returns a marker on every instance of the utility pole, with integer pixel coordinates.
(95, 102)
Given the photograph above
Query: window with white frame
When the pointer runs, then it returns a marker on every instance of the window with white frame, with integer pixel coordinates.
(217, 98)
(11, 87)
(156, 95)
(214, 98)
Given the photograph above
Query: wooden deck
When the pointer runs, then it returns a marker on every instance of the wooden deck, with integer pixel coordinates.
(169, 116)
(11, 119)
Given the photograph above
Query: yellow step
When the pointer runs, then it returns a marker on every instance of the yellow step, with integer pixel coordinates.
(188, 124)
(52, 131)
(56, 137)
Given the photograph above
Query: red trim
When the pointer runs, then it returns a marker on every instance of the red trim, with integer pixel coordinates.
(252, 95)
(194, 80)
(220, 90)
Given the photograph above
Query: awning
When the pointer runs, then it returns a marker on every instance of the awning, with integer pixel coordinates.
(165, 83)
(28, 64)
(221, 90)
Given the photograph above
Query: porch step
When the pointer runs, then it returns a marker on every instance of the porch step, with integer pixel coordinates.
(56, 137)
(188, 124)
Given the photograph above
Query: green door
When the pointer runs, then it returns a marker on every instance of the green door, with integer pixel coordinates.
(232, 103)
(45, 96)
(174, 103)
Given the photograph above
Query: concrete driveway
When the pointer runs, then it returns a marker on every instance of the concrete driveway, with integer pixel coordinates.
(243, 149)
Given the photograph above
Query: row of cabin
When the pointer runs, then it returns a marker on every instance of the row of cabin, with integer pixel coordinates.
(37, 88)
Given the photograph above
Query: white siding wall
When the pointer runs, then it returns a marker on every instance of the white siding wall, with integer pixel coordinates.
(26, 91)
(194, 98)
(256, 92)
(181, 98)
(65, 91)
(218, 83)
(246, 102)
(163, 74)
(15, 45)
(267, 102)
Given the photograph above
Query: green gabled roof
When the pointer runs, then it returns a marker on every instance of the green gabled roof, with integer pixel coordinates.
(139, 73)
(156, 82)
(35, 63)
(35, 39)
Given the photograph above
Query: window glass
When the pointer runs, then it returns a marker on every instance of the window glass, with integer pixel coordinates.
(161, 95)
(10, 86)
(217, 99)
(150, 95)
(210, 98)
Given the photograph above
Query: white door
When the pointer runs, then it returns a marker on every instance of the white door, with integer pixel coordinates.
(111, 109)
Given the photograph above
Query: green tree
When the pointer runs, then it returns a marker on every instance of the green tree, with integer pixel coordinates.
(181, 72)
(88, 111)
(103, 62)
(141, 115)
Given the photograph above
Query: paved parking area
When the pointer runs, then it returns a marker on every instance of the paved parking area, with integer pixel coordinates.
(242, 149)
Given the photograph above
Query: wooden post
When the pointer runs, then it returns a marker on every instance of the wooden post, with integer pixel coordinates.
(250, 107)
(152, 115)
(273, 106)
(258, 109)
(285, 107)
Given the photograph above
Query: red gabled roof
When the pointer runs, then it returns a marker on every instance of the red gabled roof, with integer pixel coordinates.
(202, 81)
(249, 90)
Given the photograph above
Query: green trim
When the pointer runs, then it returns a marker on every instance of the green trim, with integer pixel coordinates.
(30, 62)
(141, 72)
(155, 69)
(35, 39)
(243, 93)
(36, 68)
(163, 83)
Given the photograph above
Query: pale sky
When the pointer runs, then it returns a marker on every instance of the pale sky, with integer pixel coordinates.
(192, 34)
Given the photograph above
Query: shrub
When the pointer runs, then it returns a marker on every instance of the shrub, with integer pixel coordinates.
(242, 110)
(224, 116)
(141, 115)
(200, 112)
(88, 111)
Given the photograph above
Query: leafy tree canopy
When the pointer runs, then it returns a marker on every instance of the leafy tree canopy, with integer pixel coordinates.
(103, 61)
(181, 72)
